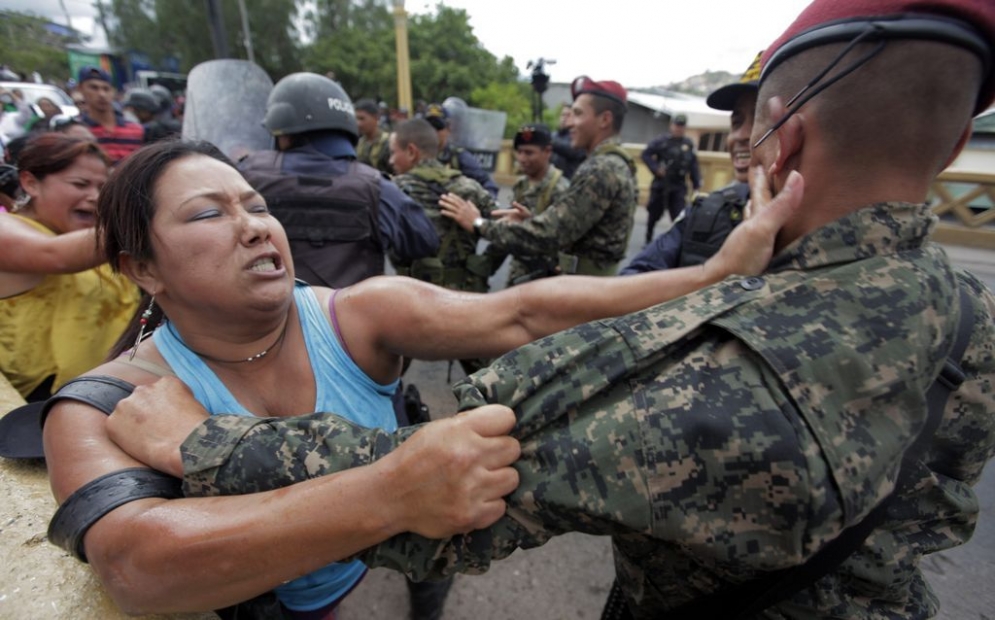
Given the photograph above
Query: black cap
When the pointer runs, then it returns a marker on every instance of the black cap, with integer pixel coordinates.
(534, 135)
(437, 116)
(20, 432)
(725, 97)
(89, 72)
(680, 120)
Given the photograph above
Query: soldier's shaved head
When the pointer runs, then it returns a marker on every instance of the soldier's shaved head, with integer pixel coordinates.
(420, 133)
(903, 109)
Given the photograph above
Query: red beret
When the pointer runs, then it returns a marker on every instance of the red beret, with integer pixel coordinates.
(967, 23)
(607, 88)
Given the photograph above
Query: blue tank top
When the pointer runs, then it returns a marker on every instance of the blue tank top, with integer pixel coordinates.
(342, 388)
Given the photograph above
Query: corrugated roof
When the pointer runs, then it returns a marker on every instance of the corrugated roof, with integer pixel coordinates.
(700, 116)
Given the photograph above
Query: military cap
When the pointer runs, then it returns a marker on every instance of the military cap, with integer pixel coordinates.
(680, 120)
(725, 97)
(437, 116)
(969, 24)
(607, 88)
(535, 135)
(89, 72)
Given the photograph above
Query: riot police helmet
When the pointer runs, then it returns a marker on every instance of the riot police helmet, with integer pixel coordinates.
(141, 99)
(304, 102)
(163, 97)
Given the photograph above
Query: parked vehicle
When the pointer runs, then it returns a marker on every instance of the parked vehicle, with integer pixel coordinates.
(33, 92)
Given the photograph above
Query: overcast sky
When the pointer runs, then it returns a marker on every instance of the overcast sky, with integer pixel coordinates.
(636, 42)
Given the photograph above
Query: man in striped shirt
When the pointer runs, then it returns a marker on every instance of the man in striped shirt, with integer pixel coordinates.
(116, 135)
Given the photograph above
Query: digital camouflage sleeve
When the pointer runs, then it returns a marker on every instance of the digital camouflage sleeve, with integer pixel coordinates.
(730, 432)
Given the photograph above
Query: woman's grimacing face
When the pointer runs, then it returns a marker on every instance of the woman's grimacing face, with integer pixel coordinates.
(65, 201)
(214, 240)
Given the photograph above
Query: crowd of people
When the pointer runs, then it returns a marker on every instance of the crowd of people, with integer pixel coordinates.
(775, 410)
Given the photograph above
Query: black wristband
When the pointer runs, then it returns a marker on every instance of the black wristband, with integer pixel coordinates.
(96, 498)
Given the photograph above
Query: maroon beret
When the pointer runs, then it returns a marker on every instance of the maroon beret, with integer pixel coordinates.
(607, 88)
(966, 23)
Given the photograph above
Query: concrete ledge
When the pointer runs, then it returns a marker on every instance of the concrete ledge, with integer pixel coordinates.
(37, 579)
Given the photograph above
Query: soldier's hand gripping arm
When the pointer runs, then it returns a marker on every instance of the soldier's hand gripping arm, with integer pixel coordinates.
(473, 442)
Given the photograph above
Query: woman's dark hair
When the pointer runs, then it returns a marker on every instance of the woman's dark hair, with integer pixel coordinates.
(124, 216)
(48, 153)
(127, 201)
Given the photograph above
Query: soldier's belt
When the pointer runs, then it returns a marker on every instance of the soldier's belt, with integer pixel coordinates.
(472, 276)
(581, 265)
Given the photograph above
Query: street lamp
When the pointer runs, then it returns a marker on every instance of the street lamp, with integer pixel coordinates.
(403, 67)
(540, 81)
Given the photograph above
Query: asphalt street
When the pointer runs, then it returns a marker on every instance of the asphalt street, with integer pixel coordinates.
(569, 578)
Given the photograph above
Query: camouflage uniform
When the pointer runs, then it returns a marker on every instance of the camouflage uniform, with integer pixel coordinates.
(457, 266)
(590, 225)
(726, 433)
(375, 152)
(535, 196)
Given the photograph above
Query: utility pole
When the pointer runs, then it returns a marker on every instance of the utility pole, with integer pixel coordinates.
(246, 33)
(215, 19)
(403, 67)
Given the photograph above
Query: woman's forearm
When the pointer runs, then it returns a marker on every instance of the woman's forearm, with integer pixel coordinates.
(29, 251)
(206, 553)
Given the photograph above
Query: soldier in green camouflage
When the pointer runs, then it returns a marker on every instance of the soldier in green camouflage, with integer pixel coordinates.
(738, 430)
(591, 224)
(540, 185)
(414, 146)
(373, 148)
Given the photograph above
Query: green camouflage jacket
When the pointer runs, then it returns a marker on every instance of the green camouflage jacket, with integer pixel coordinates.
(537, 197)
(592, 220)
(375, 152)
(457, 266)
(726, 433)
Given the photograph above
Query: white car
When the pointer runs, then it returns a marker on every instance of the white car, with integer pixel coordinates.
(33, 92)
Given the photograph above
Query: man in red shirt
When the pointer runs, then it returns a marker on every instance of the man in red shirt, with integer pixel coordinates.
(117, 136)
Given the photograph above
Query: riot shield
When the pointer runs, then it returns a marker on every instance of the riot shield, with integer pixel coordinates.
(478, 131)
(225, 105)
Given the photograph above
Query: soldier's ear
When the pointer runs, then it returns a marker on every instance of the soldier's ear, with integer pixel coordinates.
(789, 139)
(605, 119)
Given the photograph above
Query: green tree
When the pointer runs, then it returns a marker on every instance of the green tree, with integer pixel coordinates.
(360, 52)
(509, 97)
(355, 40)
(26, 45)
(447, 59)
(180, 29)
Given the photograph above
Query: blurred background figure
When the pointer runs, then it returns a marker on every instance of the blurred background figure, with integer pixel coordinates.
(565, 156)
(117, 136)
(60, 312)
(671, 159)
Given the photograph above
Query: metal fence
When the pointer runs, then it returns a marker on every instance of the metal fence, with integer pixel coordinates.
(964, 201)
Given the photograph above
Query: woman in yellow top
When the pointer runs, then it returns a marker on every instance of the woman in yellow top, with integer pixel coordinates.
(60, 309)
